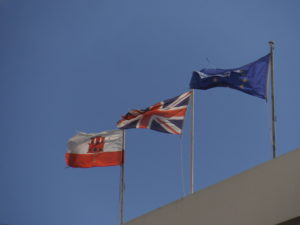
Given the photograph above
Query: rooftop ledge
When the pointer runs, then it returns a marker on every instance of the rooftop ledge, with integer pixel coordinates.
(268, 194)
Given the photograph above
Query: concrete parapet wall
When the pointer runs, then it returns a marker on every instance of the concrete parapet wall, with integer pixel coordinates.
(268, 194)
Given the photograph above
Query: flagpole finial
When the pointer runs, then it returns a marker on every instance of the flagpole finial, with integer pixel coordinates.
(271, 43)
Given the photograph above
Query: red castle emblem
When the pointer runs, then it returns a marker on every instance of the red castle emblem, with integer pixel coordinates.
(96, 145)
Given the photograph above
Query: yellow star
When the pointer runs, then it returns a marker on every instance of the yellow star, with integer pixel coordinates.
(241, 86)
(245, 80)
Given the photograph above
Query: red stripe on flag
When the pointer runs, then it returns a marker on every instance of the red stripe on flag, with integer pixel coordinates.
(147, 116)
(168, 127)
(95, 159)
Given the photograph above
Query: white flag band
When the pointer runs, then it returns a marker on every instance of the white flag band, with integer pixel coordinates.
(108, 141)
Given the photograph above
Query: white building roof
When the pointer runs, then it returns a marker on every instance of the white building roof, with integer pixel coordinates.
(268, 194)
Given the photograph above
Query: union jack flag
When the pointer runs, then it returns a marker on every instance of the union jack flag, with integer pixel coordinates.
(166, 116)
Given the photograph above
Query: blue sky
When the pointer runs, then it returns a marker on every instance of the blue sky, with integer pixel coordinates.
(68, 66)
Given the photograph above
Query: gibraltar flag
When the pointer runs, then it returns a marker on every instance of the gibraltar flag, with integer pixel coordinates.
(101, 149)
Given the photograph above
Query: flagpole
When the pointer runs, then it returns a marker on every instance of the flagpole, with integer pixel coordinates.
(122, 183)
(271, 43)
(192, 144)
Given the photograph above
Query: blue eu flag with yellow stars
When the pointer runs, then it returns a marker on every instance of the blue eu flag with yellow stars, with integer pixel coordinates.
(251, 78)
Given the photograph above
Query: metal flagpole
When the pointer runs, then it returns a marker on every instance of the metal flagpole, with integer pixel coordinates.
(192, 150)
(122, 183)
(271, 43)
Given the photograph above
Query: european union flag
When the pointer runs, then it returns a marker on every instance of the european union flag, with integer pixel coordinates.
(251, 78)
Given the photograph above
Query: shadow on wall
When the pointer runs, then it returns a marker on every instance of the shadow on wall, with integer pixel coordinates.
(295, 221)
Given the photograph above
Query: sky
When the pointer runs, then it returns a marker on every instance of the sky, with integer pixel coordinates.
(79, 65)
